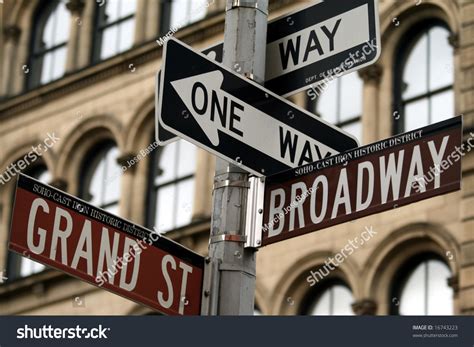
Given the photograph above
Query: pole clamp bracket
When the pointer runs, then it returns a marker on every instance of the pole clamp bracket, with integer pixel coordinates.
(229, 238)
(229, 183)
(260, 5)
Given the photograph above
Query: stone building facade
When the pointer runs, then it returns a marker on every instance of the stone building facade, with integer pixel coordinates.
(98, 98)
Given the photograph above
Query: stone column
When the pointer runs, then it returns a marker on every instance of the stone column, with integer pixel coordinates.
(126, 183)
(153, 19)
(216, 6)
(140, 21)
(203, 185)
(11, 36)
(365, 307)
(371, 76)
(76, 7)
(464, 63)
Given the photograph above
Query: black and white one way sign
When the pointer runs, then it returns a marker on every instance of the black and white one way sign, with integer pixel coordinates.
(237, 119)
(312, 45)
(331, 38)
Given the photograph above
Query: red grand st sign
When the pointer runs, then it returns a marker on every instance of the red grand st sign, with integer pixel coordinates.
(63, 232)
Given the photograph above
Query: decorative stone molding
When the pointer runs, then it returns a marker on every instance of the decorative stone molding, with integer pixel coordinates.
(60, 184)
(11, 32)
(75, 6)
(454, 41)
(365, 307)
(453, 282)
(128, 160)
(372, 73)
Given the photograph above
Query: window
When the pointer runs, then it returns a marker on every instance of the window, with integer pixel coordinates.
(101, 178)
(331, 298)
(49, 41)
(172, 178)
(422, 288)
(340, 103)
(180, 13)
(424, 79)
(115, 28)
(19, 266)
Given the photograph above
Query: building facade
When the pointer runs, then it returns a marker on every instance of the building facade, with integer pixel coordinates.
(83, 71)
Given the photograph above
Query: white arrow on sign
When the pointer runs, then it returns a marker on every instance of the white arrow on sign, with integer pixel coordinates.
(216, 110)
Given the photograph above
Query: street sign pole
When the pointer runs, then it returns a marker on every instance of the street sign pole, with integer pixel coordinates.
(244, 52)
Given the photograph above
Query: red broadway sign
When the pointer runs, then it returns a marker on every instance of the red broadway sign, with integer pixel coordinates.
(384, 175)
(68, 234)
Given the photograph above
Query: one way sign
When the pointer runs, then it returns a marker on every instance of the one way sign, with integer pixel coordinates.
(239, 120)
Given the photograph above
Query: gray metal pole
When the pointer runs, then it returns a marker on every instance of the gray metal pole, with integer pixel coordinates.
(234, 266)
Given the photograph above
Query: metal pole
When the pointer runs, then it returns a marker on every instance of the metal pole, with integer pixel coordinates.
(244, 52)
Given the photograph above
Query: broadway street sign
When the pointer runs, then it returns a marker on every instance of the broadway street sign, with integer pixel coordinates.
(382, 176)
(312, 46)
(61, 231)
(239, 120)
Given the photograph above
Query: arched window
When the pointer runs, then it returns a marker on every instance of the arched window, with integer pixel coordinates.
(115, 28)
(331, 298)
(339, 101)
(19, 266)
(101, 175)
(421, 288)
(424, 76)
(180, 13)
(49, 41)
(172, 186)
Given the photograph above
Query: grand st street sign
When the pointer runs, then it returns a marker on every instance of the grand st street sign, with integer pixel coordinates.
(66, 233)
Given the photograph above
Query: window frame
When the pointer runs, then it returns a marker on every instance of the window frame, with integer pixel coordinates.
(153, 189)
(165, 17)
(100, 25)
(404, 273)
(403, 51)
(314, 295)
(93, 157)
(312, 106)
(36, 54)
